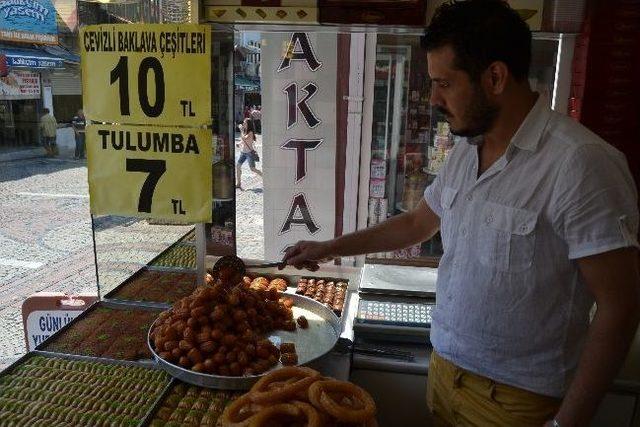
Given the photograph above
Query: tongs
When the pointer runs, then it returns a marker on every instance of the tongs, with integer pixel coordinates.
(231, 264)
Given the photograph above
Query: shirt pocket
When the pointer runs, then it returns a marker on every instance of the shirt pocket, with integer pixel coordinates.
(506, 237)
(447, 198)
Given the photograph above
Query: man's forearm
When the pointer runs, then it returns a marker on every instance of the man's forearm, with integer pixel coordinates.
(395, 233)
(608, 340)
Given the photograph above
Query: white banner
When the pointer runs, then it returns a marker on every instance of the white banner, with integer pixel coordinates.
(299, 138)
(20, 85)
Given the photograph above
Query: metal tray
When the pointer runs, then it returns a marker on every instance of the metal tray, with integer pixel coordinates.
(111, 296)
(311, 344)
(175, 245)
(148, 365)
(171, 269)
(158, 403)
(109, 304)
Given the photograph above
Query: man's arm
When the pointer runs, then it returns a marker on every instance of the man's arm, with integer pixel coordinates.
(398, 232)
(613, 279)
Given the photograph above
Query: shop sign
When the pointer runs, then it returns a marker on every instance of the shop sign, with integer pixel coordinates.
(32, 21)
(147, 74)
(140, 77)
(31, 62)
(4, 69)
(262, 11)
(45, 313)
(299, 138)
(20, 85)
(150, 171)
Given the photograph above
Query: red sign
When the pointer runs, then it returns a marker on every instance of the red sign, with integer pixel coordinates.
(4, 69)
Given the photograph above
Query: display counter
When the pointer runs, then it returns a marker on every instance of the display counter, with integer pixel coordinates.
(98, 370)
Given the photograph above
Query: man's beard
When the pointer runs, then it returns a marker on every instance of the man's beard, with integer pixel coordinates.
(478, 118)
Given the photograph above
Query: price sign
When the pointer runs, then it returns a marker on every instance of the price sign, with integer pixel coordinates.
(147, 73)
(150, 171)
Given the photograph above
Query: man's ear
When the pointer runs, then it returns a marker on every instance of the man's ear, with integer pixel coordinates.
(495, 77)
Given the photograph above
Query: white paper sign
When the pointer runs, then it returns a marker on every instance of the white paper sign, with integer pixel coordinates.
(20, 85)
(299, 138)
(41, 324)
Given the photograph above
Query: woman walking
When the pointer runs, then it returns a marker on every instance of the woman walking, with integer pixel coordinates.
(247, 151)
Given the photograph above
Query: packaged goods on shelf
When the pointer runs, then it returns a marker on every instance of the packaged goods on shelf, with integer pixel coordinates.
(378, 168)
(378, 209)
(377, 187)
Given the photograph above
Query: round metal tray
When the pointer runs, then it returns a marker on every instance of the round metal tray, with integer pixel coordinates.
(311, 344)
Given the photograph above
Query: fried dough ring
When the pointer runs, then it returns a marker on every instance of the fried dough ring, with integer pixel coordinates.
(320, 398)
(239, 412)
(313, 416)
(260, 392)
(266, 417)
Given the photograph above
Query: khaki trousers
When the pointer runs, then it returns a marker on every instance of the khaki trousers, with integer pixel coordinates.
(457, 397)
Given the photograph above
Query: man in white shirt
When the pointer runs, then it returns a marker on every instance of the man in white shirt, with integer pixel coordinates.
(539, 220)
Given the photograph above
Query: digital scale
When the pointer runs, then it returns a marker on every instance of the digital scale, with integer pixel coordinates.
(395, 303)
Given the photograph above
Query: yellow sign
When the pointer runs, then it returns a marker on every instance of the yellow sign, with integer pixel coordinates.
(147, 73)
(149, 171)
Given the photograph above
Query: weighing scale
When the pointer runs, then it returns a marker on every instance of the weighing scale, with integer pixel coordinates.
(395, 303)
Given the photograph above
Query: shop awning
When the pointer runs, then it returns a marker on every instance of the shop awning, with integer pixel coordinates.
(246, 84)
(52, 57)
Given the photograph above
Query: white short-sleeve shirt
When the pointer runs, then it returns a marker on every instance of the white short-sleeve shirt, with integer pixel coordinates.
(511, 304)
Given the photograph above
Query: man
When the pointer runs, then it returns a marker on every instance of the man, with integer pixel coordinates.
(79, 123)
(256, 116)
(538, 218)
(48, 129)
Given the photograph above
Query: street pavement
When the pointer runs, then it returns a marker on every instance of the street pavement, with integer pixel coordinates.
(46, 238)
(46, 241)
(249, 209)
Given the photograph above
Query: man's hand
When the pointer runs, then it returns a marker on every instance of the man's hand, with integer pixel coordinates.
(307, 254)
(400, 231)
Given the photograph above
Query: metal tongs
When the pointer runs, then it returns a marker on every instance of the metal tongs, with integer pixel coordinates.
(230, 265)
(383, 352)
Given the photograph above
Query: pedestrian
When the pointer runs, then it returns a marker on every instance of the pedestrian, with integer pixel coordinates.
(48, 129)
(256, 116)
(538, 218)
(247, 151)
(79, 123)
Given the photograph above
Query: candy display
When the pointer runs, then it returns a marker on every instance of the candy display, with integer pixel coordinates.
(157, 286)
(220, 329)
(183, 256)
(54, 391)
(108, 332)
(193, 406)
(328, 292)
(262, 283)
(295, 396)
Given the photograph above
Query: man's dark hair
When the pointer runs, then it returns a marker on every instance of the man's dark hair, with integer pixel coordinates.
(481, 32)
(45, 110)
(250, 126)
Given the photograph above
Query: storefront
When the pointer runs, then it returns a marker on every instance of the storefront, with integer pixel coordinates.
(34, 79)
(29, 47)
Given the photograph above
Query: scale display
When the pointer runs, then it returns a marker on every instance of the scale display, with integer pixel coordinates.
(395, 313)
